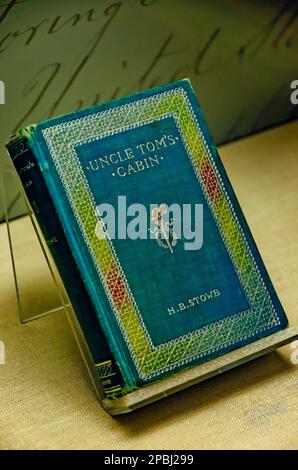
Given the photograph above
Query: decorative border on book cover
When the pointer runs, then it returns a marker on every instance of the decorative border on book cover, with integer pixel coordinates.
(151, 360)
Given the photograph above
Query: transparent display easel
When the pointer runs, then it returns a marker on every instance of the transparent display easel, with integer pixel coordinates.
(52, 297)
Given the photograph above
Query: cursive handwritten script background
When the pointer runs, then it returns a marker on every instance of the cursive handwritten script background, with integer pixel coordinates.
(57, 57)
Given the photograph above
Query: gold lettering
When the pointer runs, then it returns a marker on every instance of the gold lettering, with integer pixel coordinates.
(153, 160)
(130, 169)
(150, 146)
(161, 142)
(93, 165)
(141, 148)
(129, 153)
(121, 171)
(140, 165)
(104, 161)
(171, 310)
(112, 157)
(171, 139)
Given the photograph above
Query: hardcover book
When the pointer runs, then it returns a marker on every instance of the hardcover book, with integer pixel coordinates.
(147, 234)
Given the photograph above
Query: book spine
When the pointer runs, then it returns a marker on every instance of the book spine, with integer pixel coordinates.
(26, 164)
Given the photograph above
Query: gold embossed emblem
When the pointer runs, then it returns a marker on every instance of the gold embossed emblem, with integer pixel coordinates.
(163, 232)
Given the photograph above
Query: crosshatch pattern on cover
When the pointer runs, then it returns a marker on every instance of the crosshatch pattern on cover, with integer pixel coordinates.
(151, 361)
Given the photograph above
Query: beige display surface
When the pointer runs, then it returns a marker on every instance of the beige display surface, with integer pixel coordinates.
(46, 396)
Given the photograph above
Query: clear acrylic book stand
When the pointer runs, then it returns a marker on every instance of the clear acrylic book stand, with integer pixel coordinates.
(54, 298)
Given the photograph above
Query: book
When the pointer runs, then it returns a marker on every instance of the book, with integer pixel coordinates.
(148, 236)
(30, 174)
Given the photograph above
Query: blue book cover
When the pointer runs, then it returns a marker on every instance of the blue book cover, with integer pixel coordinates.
(159, 240)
